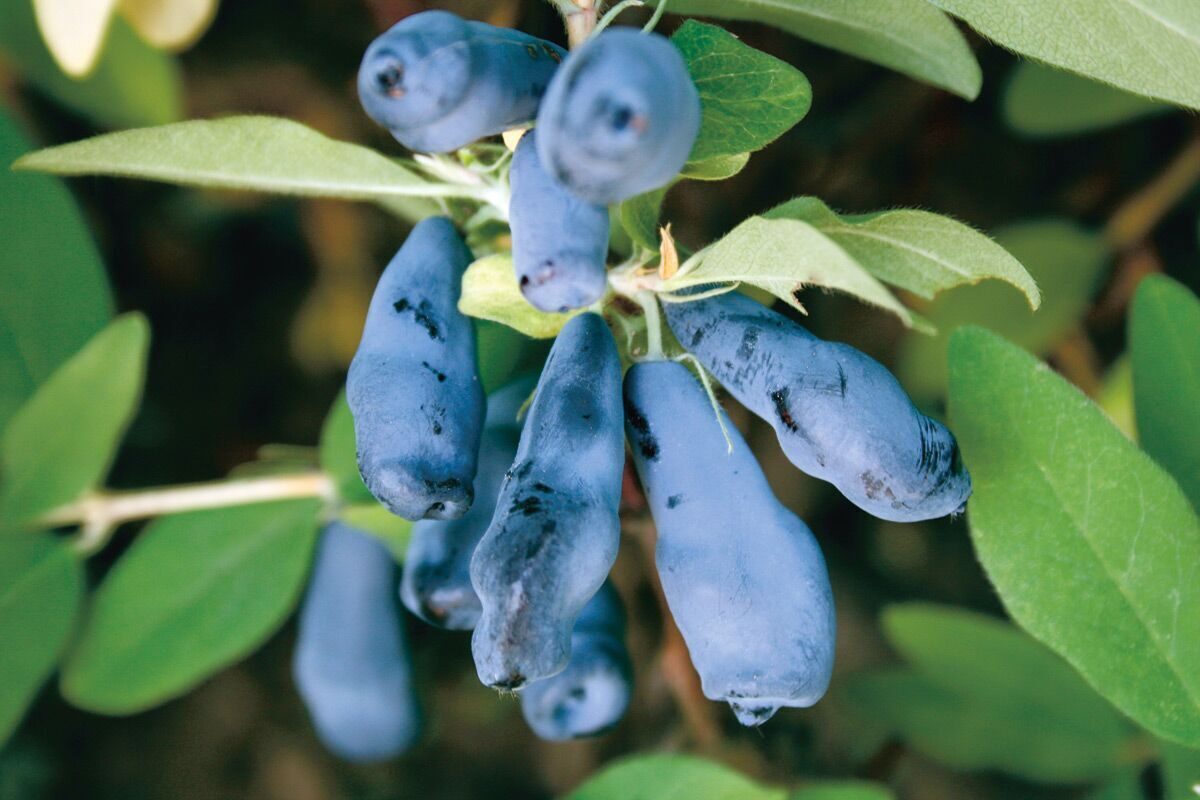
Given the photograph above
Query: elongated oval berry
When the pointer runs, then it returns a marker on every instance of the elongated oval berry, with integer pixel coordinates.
(438, 82)
(743, 576)
(620, 116)
(413, 386)
(559, 242)
(554, 536)
(590, 696)
(839, 414)
(437, 568)
(351, 663)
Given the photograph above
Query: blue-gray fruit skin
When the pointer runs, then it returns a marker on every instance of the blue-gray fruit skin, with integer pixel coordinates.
(559, 242)
(437, 568)
(840, 415)
(438, 82)
(413, 386)
(554, 535)
(743, 576)
(590, 696)
(351, 663)
(620, 116)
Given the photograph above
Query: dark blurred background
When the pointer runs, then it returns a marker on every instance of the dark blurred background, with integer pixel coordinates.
(256, 304)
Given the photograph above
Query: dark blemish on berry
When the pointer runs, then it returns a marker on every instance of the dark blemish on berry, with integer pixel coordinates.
(647, 444)
(876, 489)
(422, 315)
(841, 380)
(543, 488)
(526, 506)
(514, 681)
(437, 428)
(674, 500)
(549, 526)
(524, 469)
(698, 336)
(532, 51)
(441, 376)
(749, 344)
(780, 398)
(550, 51)
(587, 417)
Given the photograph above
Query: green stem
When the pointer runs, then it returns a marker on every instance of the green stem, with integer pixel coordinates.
(655, 17)
(654, 340)
(613, 13)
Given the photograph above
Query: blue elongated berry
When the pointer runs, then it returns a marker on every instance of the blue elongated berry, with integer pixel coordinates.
(554, 535)
(839, 414)
(437, 579)
(590, 696)
(351, 663)
(620, 116)
(743, 576)
(559, 242)
(413, 387)
(438, 82)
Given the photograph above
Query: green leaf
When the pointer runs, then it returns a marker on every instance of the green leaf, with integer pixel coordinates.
(1126, 786)
(909, 36)
(1045, 102)
(748, 98)
(41, 585)
(922, 252)
(60, 443)
(490, 291)
(1033, 715)
(1151, 47)
(1181, 772)
(1116, 396)
(265, 154)
(376, 520)
(842, 790)
(1164, 336)
(1089, 543)
(54, 295)
(133, 84)
(671, 777)
(338, 453)
(715, 169)
(502, 353)
(640, 216)
(1066, 260)
(195, 593)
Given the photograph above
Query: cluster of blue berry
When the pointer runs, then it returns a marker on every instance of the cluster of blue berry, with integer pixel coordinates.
(516, 523)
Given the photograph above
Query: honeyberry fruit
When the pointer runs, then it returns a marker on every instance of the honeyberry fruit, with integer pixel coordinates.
(559, 242)
(438, 82)
(620, 116)
(840, 415)
(555, 532)
(351, 662)
(436, 585)
(743, 576)
(590, 696)
(413, 386)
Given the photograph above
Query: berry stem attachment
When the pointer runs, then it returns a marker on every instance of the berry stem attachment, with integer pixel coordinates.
(652, 23)
(579, 17)
(613, 13)
(654, 339)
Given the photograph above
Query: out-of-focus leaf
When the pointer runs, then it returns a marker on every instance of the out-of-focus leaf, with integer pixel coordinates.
(909, 36)
(671, 777)
(169, 24)
(1089, 543)
(1181, 772)
(1164, 341)
(41, 584)
(1067, 262)
(490, 291)
(1126, 786)
(265, 154)
(640, 216)
(60, 442)
(132, 84)
(194, 593)
(715, 169)
(339, 455)
(501, 351)
(842, 790)
(74, 31)
(1046, 102)
(748, 98)
(1023, 710)
(376, 520)
(54, 295)
(1116, 397)
(1151, 47)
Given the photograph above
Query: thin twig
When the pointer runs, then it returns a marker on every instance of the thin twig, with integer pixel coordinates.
(1134, 219)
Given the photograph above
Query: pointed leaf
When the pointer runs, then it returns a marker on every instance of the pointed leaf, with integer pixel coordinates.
(909, 36)
(60, 443)
(1089, 543)
(169, 24)
(195, 593)
(74, 31)
(1046, 102)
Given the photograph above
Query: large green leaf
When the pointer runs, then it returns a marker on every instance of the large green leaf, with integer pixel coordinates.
(1164, 336)
(266, 154)
(490, 291)
(1043, 101)
(338, 454)
(53, 292)
(1181, 772)
(1151, 47)
(132, 84)
(41, 584)
(671, 777)
(194, 593)
(1089, 543)
(1067, 262)
(60, 443)
(1012, 704)
(748, 98)
(909, 36)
